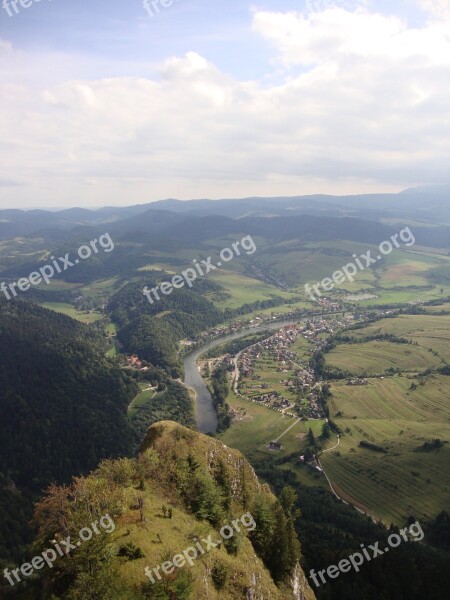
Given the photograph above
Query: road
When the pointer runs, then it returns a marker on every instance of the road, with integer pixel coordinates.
(330, 449)
(288, 429)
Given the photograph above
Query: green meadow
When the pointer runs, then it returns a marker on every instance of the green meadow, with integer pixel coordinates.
(401, 481)
(144, 397)
(261, 425)
(242, 289)
(405, 275)
(71, 311)
(374, 358)
(427, 331)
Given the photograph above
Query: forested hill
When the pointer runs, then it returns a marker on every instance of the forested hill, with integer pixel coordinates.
(62, 404)
(183, 488)
(186, 313)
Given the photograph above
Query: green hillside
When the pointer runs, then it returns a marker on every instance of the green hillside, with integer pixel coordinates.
(183, 488)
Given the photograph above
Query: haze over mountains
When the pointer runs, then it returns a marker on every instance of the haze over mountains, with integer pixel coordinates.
(427, 204)
(62, 376)
(184, 223)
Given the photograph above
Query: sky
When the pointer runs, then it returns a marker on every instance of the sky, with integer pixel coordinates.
(108, 102)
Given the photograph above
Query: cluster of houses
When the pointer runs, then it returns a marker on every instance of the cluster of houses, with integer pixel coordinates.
(223, 330)
(274, 446)
(314, 463)
(279, 348)
(357, 381)
(300, 379)
(312, 330)
(330, 305)
(274, 399)
(134, 362)
(217, 332)
(315, 410)
(277, 345)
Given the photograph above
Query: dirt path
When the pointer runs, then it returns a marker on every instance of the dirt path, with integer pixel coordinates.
(330, 449)
(336, 494)
(288, 429)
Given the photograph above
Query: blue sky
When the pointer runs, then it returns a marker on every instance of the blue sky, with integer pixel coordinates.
(119, 32)
(103, 104)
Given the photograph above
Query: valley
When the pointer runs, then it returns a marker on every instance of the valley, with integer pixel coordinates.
(345, 399)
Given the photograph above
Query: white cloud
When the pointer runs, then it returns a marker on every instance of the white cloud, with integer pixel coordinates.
(437, 8)
(363, 105)
(5, 47)
(335, 34)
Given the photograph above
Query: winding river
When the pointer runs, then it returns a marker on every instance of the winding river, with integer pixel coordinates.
(205, 413)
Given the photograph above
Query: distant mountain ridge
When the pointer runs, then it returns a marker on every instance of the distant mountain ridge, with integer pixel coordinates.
(430, 203)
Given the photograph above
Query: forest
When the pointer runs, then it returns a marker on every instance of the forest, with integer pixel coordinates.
(58, 391)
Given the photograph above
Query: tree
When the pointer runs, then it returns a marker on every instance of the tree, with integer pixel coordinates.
(262, 536)
(223, 481)
(326, 434)
(311, 438)
(204, 498)
(285, 543)
(141, 508)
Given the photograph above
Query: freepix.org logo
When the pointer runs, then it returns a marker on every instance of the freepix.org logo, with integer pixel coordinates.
(153, 7)
(13, 7)
(314, 6)
(201, 269)
(360, 263)
(413, 533)
(200, 548)
(47, 272)
(62, 547)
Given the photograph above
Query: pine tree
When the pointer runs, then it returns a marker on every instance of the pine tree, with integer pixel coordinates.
(311, 438)
(262, 535)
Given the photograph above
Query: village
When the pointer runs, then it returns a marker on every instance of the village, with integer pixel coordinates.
(325, 305)
(270, 372)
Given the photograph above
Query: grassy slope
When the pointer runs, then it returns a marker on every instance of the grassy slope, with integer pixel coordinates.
(393, 485)
(389, 413)
(70, 311)
(374, 358)
(259, 426)
(176, 534)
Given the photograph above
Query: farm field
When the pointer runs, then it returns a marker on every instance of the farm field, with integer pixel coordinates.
(438, 309)
(158, 267)
(397, 413)
(242, 290)
(104, 287)
(281, 310)
(143, 398)
(71, 311)
(265, 368)
(428, 331)
(401, 296)
(260, 425)
(402, 276)
(374, 358)
(391, 414)
(58, 285)
(303, 349)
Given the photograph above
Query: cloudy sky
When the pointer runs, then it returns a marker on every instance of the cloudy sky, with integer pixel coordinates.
(106, 102)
